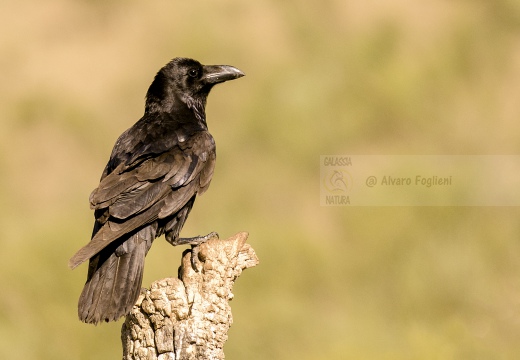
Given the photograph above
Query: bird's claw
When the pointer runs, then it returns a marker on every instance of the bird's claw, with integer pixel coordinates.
(195, 242)
(195, 257)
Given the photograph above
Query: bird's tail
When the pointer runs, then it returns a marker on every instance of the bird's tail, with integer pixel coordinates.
(114, 278)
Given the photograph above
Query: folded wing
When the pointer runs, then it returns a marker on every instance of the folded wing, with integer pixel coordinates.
(133, 196)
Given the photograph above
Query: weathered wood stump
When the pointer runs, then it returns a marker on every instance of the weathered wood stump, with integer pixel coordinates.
(188, 317)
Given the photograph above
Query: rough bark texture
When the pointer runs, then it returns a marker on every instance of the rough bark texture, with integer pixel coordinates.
(188, 317)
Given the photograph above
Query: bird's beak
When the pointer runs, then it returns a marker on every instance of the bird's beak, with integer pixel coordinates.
(214, 74)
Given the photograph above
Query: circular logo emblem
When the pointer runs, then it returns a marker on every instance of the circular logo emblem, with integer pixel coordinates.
(337, 181)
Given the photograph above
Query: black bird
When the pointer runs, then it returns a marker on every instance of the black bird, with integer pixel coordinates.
(155, 171)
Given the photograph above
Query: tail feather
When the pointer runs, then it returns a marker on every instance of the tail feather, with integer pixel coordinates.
(114, 278)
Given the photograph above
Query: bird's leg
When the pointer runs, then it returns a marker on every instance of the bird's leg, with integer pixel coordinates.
(195, 242)
(195, 257)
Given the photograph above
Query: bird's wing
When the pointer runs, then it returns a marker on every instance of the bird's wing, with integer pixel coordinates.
(152, 135)
(136, 195)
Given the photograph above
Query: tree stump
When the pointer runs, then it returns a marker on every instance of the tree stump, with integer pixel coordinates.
(188, 317)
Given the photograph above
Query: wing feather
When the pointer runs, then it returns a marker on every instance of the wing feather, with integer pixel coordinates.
(156, 188)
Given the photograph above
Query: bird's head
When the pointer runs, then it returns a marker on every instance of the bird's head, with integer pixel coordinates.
(186, 81)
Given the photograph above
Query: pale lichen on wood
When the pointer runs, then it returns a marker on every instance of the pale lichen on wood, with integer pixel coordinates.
(188, 317)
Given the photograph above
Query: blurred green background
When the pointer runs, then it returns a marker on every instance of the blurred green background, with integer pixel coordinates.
(383, 77)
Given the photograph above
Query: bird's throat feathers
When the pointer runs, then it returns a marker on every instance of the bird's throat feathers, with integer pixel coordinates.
(163, 97)
(198, 106)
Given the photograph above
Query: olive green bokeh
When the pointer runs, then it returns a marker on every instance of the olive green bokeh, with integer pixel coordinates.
(329, 77)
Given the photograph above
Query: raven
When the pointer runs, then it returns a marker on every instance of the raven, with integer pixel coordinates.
(149, 185)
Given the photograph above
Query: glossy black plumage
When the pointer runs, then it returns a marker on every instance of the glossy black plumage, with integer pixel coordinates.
(148, 187)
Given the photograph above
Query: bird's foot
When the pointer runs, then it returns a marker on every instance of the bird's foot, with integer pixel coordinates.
(195, 242)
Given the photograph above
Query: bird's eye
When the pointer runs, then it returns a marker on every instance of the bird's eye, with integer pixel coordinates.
(193, 73)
